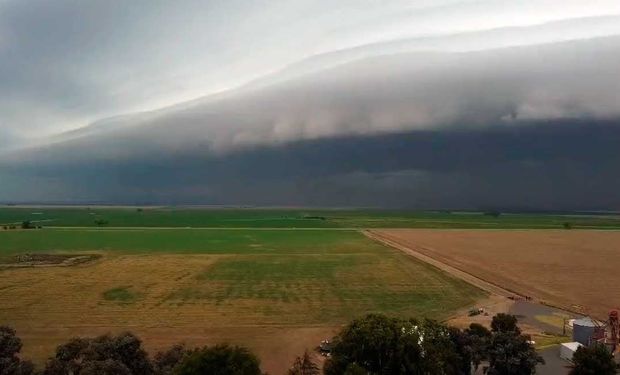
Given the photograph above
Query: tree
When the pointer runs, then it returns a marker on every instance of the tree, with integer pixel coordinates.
(445, 349)
(304, 365)
(10, 346)
(220, 360)
(463, 351)
(594, 360)
(505, 323)
(101, 354)
(105, 367)
(479, 341)
(382, 345)
(512, 354)
(355, 369)
(165, 362)
(378, 344)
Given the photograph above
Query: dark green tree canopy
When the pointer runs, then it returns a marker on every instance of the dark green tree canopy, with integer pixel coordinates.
(378, 344)
(304, 365)
(594, 360)
(220, 360)
(512, 354)
(381, 345)
(478, 330)
(479, 341)
(505, 323)
(10, 346)
(165, 362)
(103, 353)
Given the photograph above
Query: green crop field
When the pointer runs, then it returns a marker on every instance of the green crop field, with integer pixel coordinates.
(291, 218)
(186, 241)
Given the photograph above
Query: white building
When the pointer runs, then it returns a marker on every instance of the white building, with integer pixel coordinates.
(568, 349)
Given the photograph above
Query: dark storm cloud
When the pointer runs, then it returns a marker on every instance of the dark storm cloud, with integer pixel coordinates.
(543, 165)
(378, 95)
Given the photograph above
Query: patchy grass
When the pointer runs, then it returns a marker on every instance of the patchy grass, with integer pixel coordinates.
(547, 340)
(556, 320)
(121, 294)
(231, 290)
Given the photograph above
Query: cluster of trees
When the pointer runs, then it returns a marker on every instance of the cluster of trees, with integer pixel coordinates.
(124, 355)
(27, 224)
(101, 222)
(373, 345)
(495, 214)
(381, 345)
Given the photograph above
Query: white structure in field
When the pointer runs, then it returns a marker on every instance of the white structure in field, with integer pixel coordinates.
(568, 349)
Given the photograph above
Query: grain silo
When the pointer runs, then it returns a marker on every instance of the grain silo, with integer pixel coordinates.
(585, 329)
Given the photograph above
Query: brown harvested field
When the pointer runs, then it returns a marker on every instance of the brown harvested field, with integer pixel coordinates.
(575, 269)
(50, 305)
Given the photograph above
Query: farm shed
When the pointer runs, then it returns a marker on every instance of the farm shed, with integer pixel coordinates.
(568, 349)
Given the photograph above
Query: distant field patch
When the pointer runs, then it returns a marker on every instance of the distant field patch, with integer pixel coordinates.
(292, 218)
(121, 294)
(186, 241)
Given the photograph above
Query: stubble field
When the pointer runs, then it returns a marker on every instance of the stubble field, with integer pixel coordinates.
(277, 291)
(576, 269)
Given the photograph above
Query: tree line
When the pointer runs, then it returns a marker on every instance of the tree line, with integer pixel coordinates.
(372, 345)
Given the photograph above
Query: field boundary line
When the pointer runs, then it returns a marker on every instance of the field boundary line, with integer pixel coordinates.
(465, 276)
(129, 229)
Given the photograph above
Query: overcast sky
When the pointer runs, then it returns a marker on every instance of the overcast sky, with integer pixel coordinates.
(65, 63)
(133, 82)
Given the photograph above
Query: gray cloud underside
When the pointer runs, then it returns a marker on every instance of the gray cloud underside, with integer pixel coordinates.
(384, 94)
(66, 63)
(533, 127)
(559, 164)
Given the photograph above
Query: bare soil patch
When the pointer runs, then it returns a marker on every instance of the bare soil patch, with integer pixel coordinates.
(46, 260)
(572, 269)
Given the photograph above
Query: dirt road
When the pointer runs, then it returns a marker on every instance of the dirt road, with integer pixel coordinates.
(575, 270)
(411, 250)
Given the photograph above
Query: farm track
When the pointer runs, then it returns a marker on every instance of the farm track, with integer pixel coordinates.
(465, 276)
